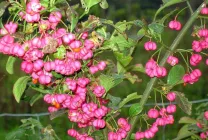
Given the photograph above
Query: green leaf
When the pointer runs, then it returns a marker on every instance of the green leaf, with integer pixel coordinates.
(156, 27)
(56, 75)
(45, 91)
(122, 42)
(139, 23)
(97, 133)
(35, 98)
(183, 102)
(87, 4)
(109, 82)
(10, 65)
(175, 75)
(135, 109)
(44, 3)
(123, 26)
(187, 120)
(15, 135)
(167, 4)
(123, 59)
(102, 31)
(104, 4)
(3, 6)
(131, 78)
(30, 122)
(74, 21)
(120, 68)
(129, 98)
(19, 87)
(114, 101)
(61, 52)
(137, 68)
(141, 33)
(183, 133)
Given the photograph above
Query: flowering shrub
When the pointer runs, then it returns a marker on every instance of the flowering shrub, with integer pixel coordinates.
(60, 54)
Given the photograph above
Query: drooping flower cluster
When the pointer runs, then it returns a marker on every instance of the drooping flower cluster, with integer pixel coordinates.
(152, 69)
(163, 117)
(121, 133)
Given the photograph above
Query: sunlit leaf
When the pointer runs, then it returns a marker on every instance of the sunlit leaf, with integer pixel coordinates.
(10, 64)
(129, 98)
(175, 75)
(135, 109)
(19, 87)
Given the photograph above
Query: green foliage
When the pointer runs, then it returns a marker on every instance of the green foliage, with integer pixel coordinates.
(183, 103)
(114, 101)
(10, 64)
(3, 6)
(19, 87)
(135, 109)
(35, 98)
(129, 98)
(61, 52)
(175, 75)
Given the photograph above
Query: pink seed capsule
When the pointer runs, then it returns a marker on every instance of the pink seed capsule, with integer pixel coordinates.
(204, 11)
(153, 113)
(206, 115)
(150, 46)
(174, 25)
(195, 59)
(171, 96)
(171, 109)
(72, 133)
(172, 60)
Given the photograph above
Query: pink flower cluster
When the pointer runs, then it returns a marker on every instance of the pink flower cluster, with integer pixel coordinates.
(202, 44)
(73, 133)
(192, 77)
(163, 117)
(175, 25)
(121, 133)
(152, 69)
(99, 67)
(32, 13)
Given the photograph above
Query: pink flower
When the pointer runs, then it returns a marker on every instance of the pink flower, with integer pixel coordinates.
(171, 109)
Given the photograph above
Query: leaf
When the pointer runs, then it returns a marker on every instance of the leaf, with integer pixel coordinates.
(132, 78)
(3, 6)
(61, 52)
(175, 75)
(122, 42)
(183, 102)
(156, 27)
(19, 87)
(167, 4)
(141, 33)
(129, 98)
(14, 135)
(10, 65)
(104, 4)
(56, 75)
(123, 59)
(114, 101)
(102, 32)
(137, 68)
(187, 120)
(135, 109)
(183, 133)
(45, 91)
(35, 98)
(98, 134)
(30, 122)
(139, 23)
(109, 82)
(87, 4)
(120, 68)
(123, 26)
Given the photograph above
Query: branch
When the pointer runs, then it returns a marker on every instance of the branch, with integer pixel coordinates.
(162, 63)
